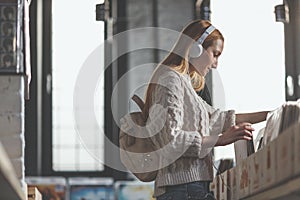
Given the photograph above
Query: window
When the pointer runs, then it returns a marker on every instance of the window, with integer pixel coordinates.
(76, 33)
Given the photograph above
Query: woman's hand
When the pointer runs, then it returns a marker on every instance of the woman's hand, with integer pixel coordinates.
(242, 131)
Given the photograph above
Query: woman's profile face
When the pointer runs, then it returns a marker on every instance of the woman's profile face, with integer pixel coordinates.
(209, 58)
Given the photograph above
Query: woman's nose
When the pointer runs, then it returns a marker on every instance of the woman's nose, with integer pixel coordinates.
(215, 64)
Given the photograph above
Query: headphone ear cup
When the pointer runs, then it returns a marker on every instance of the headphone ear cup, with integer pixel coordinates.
(195, 50)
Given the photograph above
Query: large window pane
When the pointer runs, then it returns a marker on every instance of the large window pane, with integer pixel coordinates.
(76, 33)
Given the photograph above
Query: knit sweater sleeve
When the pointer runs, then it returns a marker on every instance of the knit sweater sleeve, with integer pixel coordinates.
(219, 121)
(172, 140)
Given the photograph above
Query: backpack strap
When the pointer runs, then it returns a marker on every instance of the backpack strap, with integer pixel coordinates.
(138, 101)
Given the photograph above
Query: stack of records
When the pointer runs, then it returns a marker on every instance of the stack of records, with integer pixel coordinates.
(271, 130)
(290, 115)
(280, 119)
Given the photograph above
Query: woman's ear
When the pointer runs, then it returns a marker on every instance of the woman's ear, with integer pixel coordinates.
(196, 50)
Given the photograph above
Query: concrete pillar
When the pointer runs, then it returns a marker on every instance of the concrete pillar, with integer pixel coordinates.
(168, 14)
(292, 50)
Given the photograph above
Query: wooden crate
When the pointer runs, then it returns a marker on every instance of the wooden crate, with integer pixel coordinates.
(228, 184)
(296, 132)
(268, 175)
(213, 187)
(243, 179)
(255, 162)
(217, 191)
(285, 155)
(223, 186)
(233, 184)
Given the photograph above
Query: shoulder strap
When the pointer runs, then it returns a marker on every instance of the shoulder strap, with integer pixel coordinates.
(138, 101)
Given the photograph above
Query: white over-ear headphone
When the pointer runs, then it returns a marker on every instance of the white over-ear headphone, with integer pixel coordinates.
(196, 49)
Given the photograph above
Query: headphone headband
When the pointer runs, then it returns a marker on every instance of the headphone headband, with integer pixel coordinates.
(206, 33)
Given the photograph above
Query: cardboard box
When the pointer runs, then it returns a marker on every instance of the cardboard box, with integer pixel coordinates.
(33, 193)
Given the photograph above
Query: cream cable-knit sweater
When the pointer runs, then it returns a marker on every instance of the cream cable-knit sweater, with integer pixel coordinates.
(188, 119)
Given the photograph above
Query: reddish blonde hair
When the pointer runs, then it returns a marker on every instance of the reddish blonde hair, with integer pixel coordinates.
(178, 58)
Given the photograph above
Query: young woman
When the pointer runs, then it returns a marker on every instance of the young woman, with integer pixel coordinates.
(189, 127)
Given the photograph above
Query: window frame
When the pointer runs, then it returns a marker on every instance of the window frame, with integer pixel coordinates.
(38, 118)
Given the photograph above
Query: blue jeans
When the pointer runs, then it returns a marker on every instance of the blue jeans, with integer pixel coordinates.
(189, 191)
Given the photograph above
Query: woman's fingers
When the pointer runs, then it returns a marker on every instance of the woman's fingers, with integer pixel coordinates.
(246, 133)
(244, 138)
(242, 131)
(245, 125)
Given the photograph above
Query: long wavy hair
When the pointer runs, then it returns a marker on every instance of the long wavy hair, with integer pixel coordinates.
(178, 58)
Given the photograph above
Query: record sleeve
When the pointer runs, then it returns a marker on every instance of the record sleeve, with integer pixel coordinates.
(83, 188)
(51, 188)
(134, 190)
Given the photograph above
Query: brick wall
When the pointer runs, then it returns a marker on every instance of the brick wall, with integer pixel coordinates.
(12, 121)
